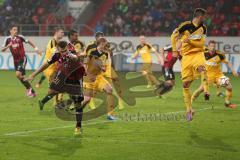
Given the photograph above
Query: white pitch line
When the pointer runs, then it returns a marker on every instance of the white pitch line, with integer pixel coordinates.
(62, 127)
(49, 129)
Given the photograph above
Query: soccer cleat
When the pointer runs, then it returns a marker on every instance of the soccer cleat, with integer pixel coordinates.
(189, 116)
(77, 131)
(220, 94)
(111, 118)
(41, 105)
(206, 96)
(230, 105)
(30, 93)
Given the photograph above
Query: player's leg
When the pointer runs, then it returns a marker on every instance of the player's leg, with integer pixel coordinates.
(187, 74)
(42, 78)
(77, 100)
(44, 100)
(196, 93)
(229, 96)
(107, 88)
(168, 84)
(204, 81)
(219, 92)
(20, 74)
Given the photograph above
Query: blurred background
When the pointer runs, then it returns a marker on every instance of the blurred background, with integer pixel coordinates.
(116, 17)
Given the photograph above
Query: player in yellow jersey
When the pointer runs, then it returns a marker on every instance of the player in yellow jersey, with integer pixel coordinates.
(94, 81)
(109, 74)
(192, 35)
(214, 58)
(51, 46)
(144, 50)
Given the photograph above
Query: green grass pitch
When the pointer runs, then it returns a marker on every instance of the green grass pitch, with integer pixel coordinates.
(27, 134)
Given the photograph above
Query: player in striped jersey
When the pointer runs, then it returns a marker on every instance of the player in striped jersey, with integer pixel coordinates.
(15, 43)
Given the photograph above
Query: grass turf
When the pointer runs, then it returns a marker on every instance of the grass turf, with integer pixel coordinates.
(26, 133)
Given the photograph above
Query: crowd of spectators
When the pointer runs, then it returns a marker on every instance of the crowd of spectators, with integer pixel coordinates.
(157, 18)
(32, 16)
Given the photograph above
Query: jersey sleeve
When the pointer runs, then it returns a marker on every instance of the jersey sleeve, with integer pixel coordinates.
(49, 50)
(178, 31)
(24, 39)
(5, 43)
(222, 57)
(53, 59)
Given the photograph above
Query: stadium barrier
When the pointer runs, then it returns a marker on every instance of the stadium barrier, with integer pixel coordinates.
(123, 48)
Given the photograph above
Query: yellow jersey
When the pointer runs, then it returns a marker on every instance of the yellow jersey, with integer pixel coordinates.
(196, 35)
(78, 46)
(51, 46)
(214, 60)
(145, 52)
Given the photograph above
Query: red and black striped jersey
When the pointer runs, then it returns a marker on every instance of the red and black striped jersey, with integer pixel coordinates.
(17, 47)
(73, 69)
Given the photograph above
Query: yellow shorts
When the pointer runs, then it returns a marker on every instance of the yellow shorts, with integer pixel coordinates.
(213, 78)
(146, 67)
(110, 73)
(190, 64)
(90, 88)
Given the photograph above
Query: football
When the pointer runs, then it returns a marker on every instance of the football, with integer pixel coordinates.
(223, 81)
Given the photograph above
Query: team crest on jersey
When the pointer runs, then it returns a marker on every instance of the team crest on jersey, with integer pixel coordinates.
(15, 45)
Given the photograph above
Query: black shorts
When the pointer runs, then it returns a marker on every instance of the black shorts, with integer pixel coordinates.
(168, 74)
(20, 65)
(63, 85)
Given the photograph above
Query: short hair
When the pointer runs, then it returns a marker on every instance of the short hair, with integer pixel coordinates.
(56, 29)
(71, 32)
(98, 34)
(13, 25)
(199, 12)
(62, 44)
(211, 42)
(101, 40)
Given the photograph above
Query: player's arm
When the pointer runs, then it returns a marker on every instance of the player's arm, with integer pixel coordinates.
(52, 60)
(35, 73)
(31, 44)
(6, 45)
(229, 65)
(135, 55)
(157, 55)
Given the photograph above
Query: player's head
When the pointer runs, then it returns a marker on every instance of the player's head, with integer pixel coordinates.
(13, 30)
(99, 35)
(200, 14)
(58, 32)
(73, 35)
(62, 47)
(142, 39)
(102, 43)
(211, 45)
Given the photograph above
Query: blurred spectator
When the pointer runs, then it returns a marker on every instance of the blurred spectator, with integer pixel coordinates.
(155, 18)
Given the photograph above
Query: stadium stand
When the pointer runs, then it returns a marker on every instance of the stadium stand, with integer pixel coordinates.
(120, 17)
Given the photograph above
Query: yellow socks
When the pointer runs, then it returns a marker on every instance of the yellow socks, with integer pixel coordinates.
(187, 98)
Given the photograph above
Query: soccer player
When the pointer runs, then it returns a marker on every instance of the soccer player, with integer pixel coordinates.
(167, 71)
(70, 72)
(192, 35)
(50, 71)
(94, 81)
(14, 42)
(73, 41)
(214, 58)
(144, 50)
